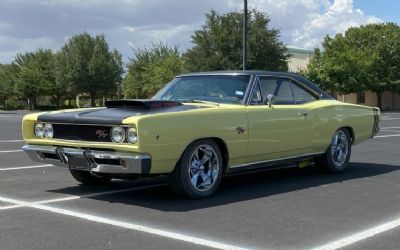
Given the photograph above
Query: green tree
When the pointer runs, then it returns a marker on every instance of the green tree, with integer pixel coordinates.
(150, 69)
(118, 70)
(90, 66)
(8, 77)
(36, 75)
(218, 44)
(364, 58)
(313, 71)
(62, 86)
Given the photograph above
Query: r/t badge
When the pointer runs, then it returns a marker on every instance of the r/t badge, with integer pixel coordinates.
(240, 130)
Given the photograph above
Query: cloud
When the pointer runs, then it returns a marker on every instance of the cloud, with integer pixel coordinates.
(26, 25)
(336, 17)
(123, 22)
(304, 23)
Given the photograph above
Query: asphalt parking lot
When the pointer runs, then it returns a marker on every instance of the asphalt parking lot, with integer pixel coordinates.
(43, 207)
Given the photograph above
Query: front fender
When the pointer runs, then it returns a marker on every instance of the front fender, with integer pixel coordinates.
(166, 136)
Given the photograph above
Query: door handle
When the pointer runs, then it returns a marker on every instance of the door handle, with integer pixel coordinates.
(302, 113)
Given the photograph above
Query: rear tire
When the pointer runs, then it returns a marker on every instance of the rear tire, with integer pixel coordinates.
(87, 178)
(337, 156)
(199, 171)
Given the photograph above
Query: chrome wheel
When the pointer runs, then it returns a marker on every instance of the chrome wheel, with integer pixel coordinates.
(339, 148)
(203, 168)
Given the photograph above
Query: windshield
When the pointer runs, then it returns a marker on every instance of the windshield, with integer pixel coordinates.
(220, 89)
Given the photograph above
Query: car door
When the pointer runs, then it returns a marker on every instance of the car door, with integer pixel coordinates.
(315, 119)
(279, 130)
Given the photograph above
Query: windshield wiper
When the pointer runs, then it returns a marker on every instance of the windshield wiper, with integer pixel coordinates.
(201, 101)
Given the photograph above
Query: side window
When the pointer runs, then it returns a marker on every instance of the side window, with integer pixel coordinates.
(268, 86)
(301, 95)
(284, 92)
(279, 87)
(256, 99)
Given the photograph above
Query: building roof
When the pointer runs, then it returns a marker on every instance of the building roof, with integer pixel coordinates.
(298, 49)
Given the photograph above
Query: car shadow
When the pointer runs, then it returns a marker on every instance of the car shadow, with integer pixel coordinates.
(238, 188)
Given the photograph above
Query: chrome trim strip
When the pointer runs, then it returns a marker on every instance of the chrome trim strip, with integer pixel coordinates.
(253, 85)
(135, 163)
(111, 143)
(86, 124)
(375, 127)
(249, 90)
(276, 160)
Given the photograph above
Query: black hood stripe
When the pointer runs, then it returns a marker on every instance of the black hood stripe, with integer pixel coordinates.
(110, 116)
(141, 104)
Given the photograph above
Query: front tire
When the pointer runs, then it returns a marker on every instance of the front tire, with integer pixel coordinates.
(199, 171)
(336, 158)
(87, 178)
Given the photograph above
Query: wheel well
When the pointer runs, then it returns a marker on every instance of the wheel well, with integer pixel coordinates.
(224, 150)
(351, 133)
(222, 146)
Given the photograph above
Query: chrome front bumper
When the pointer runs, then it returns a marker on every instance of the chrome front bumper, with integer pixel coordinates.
(96, 161)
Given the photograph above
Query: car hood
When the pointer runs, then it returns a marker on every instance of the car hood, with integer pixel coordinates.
(116, 111)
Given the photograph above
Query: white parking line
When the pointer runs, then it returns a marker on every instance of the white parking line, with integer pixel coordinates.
(388, 119)
(77, 197)
(11, 141)
(389, 130)
(11, 151)
(10, 207)
(389, 127)
(360, 236)
(26, 167)
(7, 116)
(127, 225)
(382, 136)
(10, 118)
(8, 121)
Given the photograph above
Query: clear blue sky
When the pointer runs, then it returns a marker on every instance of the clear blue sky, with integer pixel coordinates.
(387, 10)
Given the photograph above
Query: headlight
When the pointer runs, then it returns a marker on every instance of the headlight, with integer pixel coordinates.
(39, 130)
(118, 134)
(48, 130)
(131, 135)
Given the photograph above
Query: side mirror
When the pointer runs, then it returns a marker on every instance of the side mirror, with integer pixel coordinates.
(271, 100)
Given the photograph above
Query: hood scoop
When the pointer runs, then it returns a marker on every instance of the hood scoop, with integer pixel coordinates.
(142, 104)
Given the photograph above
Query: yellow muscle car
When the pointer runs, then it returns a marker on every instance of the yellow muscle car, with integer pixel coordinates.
(201, 126)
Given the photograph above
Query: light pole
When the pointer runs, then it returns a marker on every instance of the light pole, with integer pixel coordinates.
(244, 34)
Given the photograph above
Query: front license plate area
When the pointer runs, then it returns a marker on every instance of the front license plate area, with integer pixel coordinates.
(78, 163)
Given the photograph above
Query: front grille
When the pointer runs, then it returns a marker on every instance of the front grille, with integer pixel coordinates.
(97, 133)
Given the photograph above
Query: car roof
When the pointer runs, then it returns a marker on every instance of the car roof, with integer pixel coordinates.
(239, 72)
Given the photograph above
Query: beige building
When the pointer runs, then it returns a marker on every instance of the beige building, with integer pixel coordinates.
(299, 60)
(390, 100)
